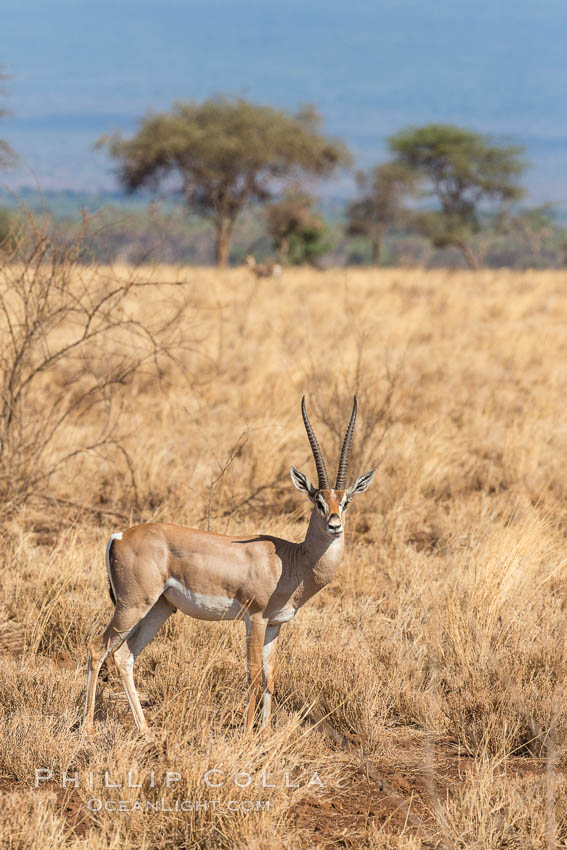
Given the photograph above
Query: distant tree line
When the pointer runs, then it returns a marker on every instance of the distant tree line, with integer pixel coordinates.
(226, 154)
(225, 158)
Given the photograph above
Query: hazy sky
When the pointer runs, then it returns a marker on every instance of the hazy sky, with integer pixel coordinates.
(81, 68)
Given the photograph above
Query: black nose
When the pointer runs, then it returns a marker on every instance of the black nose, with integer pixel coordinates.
(334, 521)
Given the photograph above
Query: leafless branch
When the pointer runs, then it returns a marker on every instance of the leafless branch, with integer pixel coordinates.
(68, 343)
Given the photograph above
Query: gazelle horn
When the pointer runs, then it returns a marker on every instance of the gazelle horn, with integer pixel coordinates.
(345, 451)
(318, 457)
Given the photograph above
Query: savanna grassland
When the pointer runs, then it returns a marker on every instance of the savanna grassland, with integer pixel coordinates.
(425, 687)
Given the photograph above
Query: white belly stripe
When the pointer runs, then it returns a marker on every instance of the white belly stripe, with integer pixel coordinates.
(201, 605)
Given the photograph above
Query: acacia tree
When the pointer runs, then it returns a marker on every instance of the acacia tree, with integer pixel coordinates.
(226, 154)
(462, 170)
(380, 204)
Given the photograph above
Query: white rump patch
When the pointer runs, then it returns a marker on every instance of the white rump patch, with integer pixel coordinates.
(113, 537)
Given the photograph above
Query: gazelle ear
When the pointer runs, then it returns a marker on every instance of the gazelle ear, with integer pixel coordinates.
(302, 482)
(361, 484)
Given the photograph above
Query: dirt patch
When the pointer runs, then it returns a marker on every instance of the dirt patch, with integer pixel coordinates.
(395, 798)
(344, 819)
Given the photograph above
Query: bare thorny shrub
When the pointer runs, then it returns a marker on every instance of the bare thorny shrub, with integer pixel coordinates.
(69, 342)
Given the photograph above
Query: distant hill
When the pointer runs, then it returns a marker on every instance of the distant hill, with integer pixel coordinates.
(81, 69)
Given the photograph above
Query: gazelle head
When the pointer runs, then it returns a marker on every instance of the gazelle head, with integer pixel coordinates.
(330, 502)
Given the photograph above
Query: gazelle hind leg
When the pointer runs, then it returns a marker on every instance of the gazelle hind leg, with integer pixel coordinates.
(255, 631)
(268, 659)
(97, 651)
(127, 653)
(122, 623)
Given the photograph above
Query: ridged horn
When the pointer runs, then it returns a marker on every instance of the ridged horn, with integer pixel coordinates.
(345, 451)
(317, 455)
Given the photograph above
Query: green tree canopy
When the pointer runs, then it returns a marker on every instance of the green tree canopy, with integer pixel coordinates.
(225, 153)
(297, 232)
(380, 202)
(462, 170)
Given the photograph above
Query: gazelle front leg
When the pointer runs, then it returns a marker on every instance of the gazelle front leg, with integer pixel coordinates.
(268, 659)
(255, 632)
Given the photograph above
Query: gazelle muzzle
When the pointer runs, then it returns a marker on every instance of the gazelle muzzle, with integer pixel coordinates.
(335, 525)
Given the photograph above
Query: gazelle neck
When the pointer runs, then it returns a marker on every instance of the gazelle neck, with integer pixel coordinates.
(322, 554)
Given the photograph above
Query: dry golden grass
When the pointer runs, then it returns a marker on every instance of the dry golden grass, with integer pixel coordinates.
(426, 685)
